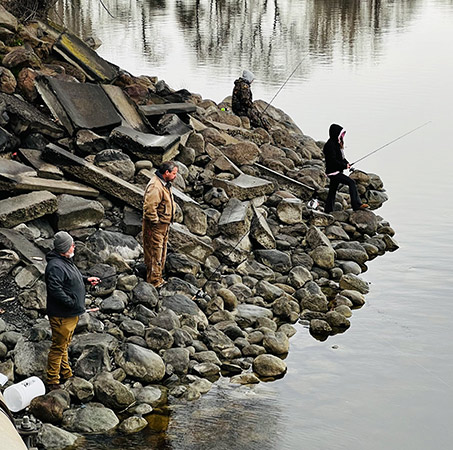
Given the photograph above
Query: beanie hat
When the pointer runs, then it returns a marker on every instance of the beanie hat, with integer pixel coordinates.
(62, 242)
(248, 76)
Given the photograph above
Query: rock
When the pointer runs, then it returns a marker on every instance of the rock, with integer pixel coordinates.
(132, 424)
(76, 212)
(344, 310)
(236, 218)
(111, 393)
(20, 57)
(158, 338)
(26, 207)
(312, 298)
(242, 153)
(229, 299)
(277, 344)
(88, 142)
(365, 221)
(79, 389)
(141, 363)
(115, 303)
(247, 315)
(245, 378)
(286, 308)
(8, 260)
(92, 361)
(50, 407)
(30, 358)
(323, 257)
(206, 370)
(145, 294)
(151, 395)
(275, 259)
(355, 297)
(54, 438)
(8, 83)
(298, 276)
(116, 162)
(92, 418)
(216, 339)
(269, 366)
(268, 291)
(289, 210)
(245, 187)
(7, 20)
(104, 243)
(337, 320)
(181, 304)
(353, 282)
(316, 238)
(177, 359)
(320, 327)
(132, 327)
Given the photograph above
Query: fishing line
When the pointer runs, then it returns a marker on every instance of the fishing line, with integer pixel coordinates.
(283, 85)
(391, 142)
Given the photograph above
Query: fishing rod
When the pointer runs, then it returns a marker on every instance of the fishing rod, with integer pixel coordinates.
(283, 85)
(391, 142)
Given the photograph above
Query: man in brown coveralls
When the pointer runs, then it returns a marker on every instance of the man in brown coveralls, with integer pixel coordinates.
(158, 213)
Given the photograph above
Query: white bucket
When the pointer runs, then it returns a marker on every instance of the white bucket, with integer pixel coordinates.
(3, 379)
(19, 395)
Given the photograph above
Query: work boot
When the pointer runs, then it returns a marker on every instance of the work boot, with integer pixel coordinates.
(364, 206)
(53, 387)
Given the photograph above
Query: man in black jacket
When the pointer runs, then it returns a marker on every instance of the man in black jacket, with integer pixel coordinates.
(65, 303)
(335, 164)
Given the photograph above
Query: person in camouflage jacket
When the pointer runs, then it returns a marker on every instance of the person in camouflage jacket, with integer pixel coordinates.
(242, 102)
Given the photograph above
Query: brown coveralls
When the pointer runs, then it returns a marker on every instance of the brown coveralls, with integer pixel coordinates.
(158, 212)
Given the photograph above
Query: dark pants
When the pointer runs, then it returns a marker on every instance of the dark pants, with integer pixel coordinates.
(335, 180)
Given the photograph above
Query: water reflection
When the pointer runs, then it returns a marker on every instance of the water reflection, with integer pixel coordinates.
(271, 37)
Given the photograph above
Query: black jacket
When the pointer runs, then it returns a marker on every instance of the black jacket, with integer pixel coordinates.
(65, 287)
(335, 161)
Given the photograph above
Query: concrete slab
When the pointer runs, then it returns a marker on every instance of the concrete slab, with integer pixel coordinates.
(126, 108)
(26, 184)
(51, 101)
(183, 241)
(92, 64)
(95, 176)
(26, 207)
(168, 108)
(87, 105)
(260, 230)
(235, 219)
(45, 170)
(26, 118)
(146, 146)
(13, 240)
(283, 182)
(14, 168)
(245, 187)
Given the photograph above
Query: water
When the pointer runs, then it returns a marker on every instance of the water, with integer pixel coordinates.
(379, 68)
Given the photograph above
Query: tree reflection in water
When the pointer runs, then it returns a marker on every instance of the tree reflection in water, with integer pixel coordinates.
(269, 36)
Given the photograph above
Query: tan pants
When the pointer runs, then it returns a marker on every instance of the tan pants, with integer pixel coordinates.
(155, 238)
(57, 362)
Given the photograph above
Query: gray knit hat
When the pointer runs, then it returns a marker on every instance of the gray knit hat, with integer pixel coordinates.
(248, 76)
(63, 242)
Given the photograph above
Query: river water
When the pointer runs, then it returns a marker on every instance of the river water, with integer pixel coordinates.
(380, 68)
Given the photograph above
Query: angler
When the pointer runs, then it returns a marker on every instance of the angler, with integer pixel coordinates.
(335, 164)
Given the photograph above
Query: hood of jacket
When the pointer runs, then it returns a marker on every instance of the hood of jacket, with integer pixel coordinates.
(334, 131)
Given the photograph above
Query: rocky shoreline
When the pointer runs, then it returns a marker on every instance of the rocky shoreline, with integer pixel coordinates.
(79, 140)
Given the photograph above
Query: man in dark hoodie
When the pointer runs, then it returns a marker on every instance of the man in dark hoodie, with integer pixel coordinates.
(65, 303)
(335, 164)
